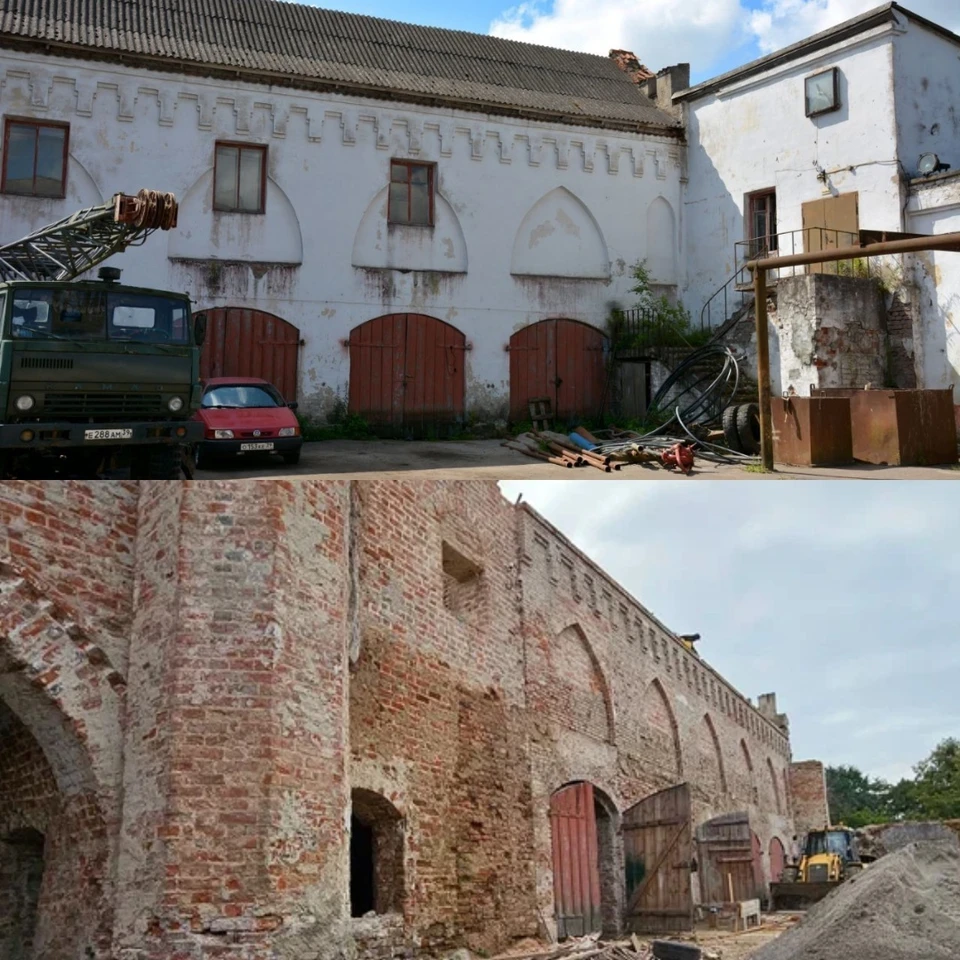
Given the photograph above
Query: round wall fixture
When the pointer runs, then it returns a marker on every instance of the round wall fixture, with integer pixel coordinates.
(928, 163)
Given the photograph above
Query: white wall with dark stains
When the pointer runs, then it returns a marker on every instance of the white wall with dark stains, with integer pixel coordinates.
(533, 220)
(754, 135)
(935, 208)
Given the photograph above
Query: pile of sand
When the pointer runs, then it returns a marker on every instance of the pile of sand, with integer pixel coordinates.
(903, 907)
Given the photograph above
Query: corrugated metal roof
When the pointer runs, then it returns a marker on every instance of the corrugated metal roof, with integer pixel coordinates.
(271, 38)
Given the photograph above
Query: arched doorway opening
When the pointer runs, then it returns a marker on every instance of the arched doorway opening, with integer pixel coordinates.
(407, 370)
(559, 360)
(586, 875)
(777, 860)
(251, 343)
(376, 855)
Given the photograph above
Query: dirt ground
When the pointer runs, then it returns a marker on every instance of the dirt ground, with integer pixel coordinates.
(487, 459)
(740, 946)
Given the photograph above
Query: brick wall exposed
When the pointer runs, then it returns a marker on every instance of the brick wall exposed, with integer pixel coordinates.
(449, 658)
(808, 796)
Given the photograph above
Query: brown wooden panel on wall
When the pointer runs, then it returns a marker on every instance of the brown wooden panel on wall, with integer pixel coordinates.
(407, 369)
(829, 224)
(658, 850)
(729, 859)
(576, 869)
(251, 343)
(562, 360)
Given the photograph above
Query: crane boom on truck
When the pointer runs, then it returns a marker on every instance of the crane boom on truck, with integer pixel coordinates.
(94, 373)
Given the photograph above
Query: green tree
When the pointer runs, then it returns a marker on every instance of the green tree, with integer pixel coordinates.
(937, 782)
(856, 799)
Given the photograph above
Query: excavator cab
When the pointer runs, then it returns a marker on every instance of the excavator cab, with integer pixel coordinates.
(829, 857)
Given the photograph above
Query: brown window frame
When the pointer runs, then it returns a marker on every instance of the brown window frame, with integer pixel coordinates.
(262, 148)
(431, 191)
(835, 71)
(750, 201)
(37, 123)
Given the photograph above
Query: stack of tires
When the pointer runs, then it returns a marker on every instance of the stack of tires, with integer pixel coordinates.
(741, 428)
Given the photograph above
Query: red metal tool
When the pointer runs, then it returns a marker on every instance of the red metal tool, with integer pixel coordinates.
(680, 455)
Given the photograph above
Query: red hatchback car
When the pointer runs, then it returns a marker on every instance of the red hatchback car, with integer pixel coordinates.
(246, 415)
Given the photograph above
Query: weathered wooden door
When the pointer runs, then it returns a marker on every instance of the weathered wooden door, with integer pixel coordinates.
(658, 851)
(576, 868)
(407, 369)
(562, 360)
(829, 224)
(729, 857)
(251, 343)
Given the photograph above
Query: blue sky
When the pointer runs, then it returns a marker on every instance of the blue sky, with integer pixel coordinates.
(840, 597)
(713, 35)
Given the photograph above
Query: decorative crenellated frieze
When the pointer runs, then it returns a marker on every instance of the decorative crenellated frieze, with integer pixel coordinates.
(26, 85)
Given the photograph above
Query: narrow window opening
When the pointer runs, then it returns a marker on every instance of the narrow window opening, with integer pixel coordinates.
(762, 222)
(362, 883)
(463, 584)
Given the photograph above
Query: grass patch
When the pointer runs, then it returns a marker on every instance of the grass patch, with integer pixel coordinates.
(755, 468)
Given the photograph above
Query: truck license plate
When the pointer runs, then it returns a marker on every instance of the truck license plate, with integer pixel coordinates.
(256, 446)
(119, 434)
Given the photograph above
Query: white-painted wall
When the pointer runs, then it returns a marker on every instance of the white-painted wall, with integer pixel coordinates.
(566, 209)
(753, 135)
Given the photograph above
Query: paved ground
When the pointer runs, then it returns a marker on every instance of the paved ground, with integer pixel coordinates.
(487, 459)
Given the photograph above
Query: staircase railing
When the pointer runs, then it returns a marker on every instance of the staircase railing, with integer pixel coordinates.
(726, 302)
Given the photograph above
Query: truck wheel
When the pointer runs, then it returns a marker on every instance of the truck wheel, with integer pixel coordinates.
(673, 950)
(748, 427)
(292, 458)
(731, 436)
(161, 462)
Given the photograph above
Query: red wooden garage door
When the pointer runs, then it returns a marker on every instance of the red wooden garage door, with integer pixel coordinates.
(251, 343)
(407, 369)
(576, 870)
(559, 359)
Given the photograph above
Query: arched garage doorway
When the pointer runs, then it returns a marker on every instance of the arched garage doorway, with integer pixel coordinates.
(562, 360)
(407, 369)
(251, 343)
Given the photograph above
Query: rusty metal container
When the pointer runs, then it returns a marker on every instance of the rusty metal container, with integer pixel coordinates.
(903, 427)
(812, 431)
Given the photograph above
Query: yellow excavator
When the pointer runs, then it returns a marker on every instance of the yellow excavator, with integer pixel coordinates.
(829, 857)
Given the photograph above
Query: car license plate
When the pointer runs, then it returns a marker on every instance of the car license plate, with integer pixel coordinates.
(120, 434)
(256, 446)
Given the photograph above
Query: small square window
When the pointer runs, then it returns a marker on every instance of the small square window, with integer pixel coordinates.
(35, 158)
(240, 178)
(822, 92)
(411, 193)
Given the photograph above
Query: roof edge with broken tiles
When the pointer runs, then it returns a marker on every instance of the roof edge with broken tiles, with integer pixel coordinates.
(606, 112)
(876, 17)
(560, 535)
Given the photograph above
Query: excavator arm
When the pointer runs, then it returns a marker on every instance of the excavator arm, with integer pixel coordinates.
(69, 248)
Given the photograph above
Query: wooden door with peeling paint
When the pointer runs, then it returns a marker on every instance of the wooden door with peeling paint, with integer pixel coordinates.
(561, 360)
(407, 371)
(576, 868)
(830, 224)
(251, 343)
(658, 852)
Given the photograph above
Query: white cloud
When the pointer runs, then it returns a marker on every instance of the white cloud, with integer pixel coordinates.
(698, 33)
(702, 34)
(778, 23)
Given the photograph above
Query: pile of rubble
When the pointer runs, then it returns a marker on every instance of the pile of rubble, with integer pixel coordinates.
(593, 948)
(905, 906)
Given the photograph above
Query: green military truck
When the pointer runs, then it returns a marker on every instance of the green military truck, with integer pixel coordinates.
(95, 376)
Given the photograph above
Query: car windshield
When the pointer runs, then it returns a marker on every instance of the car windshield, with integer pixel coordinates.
(62, 313)
(234, 395)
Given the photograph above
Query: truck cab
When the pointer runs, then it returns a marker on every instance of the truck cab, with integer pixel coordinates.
(95, 372)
